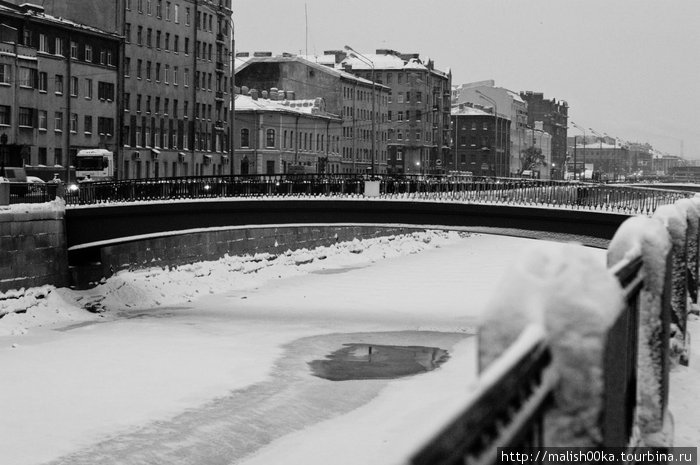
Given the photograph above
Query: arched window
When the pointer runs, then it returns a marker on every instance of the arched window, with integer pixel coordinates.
(245, 137)
(270, 142)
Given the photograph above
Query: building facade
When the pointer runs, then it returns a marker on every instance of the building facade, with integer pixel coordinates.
(275, 135)
(603, 160)
(175, 82)
(554, 115)
(540, 140)
(481, 140)
(58, 89)
(363, 142)
(418, 112)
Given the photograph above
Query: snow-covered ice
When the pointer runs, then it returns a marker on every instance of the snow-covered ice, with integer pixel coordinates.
(166, 372)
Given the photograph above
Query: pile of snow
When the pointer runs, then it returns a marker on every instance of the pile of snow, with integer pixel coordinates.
(155, 287)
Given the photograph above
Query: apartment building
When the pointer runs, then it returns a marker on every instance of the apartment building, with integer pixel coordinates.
(58, 89)
(175, 82)
(554, 115)
(361, 103)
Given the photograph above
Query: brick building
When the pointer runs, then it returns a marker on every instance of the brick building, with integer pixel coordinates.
(481, 140)
(344, 94)
(58, 89)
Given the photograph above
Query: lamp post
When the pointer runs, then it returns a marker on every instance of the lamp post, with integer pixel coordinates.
(369, 62)
(495, 120)
(600, 138)
(584, 148)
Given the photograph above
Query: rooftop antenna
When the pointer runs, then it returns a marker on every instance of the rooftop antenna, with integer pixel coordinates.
(306, 29)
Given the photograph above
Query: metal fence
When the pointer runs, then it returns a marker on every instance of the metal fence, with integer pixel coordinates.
(591, 196)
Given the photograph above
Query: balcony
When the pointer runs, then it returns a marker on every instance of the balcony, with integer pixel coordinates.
(219, 125)
(220, 38)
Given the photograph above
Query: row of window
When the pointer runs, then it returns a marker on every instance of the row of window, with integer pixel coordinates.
(39, 119)
(163, 136)
(362, 155)
(417, 135)
(205, 21)
(201, 110)
(30, 78)
(171, 75)
(304, 140)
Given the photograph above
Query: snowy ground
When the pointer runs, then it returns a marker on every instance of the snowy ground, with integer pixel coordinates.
(208, 363)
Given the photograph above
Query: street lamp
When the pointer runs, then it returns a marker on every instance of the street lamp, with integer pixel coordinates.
(495, 120)
(369, 62)
(584, 149)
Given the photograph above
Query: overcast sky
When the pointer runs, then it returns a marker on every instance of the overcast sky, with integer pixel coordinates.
(627, 68)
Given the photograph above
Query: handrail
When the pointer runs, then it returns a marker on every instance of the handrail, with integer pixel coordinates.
(508, 191)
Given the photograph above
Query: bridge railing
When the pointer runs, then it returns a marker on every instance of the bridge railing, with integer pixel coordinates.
(602, 197)
(597, 372)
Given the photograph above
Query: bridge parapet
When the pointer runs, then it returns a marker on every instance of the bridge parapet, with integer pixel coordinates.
(508, 191)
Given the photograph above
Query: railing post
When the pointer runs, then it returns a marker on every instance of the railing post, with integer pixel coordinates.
(650, 238)
(577, 300)
(675, 218)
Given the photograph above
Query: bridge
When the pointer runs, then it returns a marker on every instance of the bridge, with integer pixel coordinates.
(529, 371)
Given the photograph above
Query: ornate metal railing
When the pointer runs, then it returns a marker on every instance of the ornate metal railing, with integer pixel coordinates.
(602, 197)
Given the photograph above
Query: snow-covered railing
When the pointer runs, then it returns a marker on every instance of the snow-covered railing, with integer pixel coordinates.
(613, 333)
(599, 197)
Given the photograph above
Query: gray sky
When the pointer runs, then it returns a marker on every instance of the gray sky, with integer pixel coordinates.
(628, 68)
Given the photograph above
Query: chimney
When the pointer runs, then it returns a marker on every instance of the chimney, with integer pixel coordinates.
(264, 94)
(242, 54)
(273, 94)
(262, 54)
(339, 55)
(245, 90)
(254, 93)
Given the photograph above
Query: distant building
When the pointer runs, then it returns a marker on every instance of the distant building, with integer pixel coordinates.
(511, 106)
(604, 159)
(58, 89)
(275, 135)
(541, 140)
(480, 140)
(418, 112)
(554, 116)
(344, 94)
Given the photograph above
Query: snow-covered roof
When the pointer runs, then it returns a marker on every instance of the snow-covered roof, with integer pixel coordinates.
(469, 111)
(36, 11)
(298, 59)
(310, 107)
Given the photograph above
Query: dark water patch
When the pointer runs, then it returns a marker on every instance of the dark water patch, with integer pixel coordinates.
(376, 361)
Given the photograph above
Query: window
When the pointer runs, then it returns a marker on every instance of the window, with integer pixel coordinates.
(157, 105)
(158, 35)
(157, 72)
(400, 116)
(167, 74)
(175, 72)
(187, 45)
(138, 102)
(27, 77)
(58, 84)
(399, 154)
(127, 101)
(399, 97)
(5, 73)
(88, 88)
(43, 120)
(167, 11)
(419, 97)
(176, 43)
(74, 84)
(139, 6)
(148, 7)
(105, 126)
(148, 70)
(177, 13)
(58, 121)
(127, 32)
(148, 104)
(74, 50)
(88, 53)
(5, 112)
(167, 41)
(399, 135)
(139, 65)
(187, 16)
(166, 106)
(419, 115)
(245, 137)
(103, 57)
(159, 8)
(105, 91)
(139, 35)
(27, 37)
(187, 77)
(127, 66)
(73, 122)
(149, 38)
(43, 43)
(418, 135)
(43, 81)
(42, 155)
(109, 58)
(87, 123)
(58, 156)
(59, 46)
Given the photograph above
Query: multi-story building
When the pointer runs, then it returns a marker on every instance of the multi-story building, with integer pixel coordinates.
(481, 138)
(602, 159)
(510, 105)
(554, 115)
(58, 89)
(418, 112)
(278, 135)
(175, 82)
(361, 103)
(641, 158)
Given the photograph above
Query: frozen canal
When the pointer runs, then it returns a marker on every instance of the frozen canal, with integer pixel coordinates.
(210, 364)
